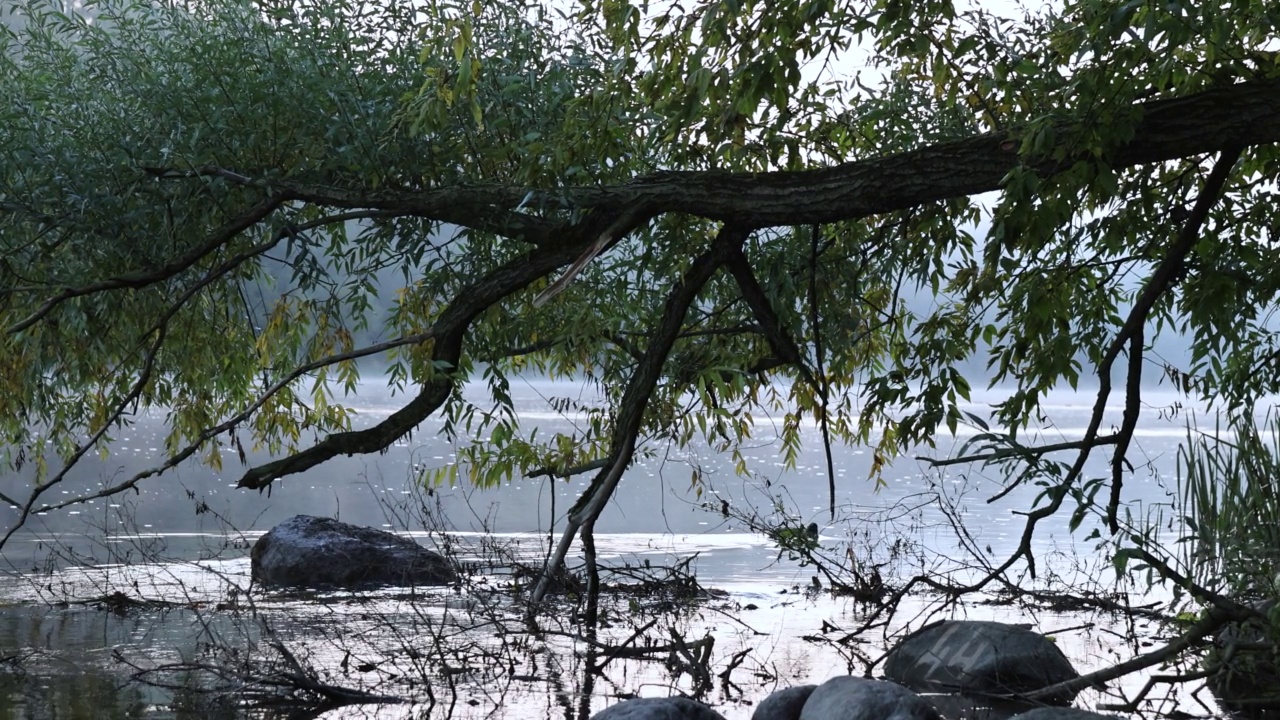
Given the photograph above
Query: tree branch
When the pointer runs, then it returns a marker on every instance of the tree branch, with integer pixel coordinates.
(1162, 279)
(1018, 451)
(1222, 610)
(231, 422)
(635, 399)
(592, 466)
(1243, 114)
(1206, 626)
(135, 391)
(449, 332)
(217, 239)
(781, 342)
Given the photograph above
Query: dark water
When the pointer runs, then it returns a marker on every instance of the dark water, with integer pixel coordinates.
(182, 539)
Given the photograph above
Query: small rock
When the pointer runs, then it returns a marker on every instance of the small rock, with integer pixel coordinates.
(854, 698)
(784, 704)
(676, 708)
(306, 551)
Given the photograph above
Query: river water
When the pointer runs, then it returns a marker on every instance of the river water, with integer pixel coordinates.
(183, 539)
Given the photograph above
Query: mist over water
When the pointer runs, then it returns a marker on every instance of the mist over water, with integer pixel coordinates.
(656, 495)
(186, 535)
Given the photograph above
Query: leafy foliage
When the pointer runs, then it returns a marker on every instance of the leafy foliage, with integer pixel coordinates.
(759, 195)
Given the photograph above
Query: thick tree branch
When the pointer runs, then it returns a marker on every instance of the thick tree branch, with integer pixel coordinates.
(1243, 114)
(1237, 115)
(449, 332)
(635, 399)
(492, 209)
(1161, 280)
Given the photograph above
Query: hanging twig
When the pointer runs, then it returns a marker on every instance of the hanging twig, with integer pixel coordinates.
(824, 384)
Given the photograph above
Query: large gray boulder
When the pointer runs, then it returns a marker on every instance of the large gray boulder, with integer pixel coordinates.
(855, 698)
(676, 708)
(784, 704)
(306, 551)
(985, 658)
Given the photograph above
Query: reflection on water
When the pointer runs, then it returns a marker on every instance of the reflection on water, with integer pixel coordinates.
(181, 543)
(467, 654)
(82, 694)
(62, 666)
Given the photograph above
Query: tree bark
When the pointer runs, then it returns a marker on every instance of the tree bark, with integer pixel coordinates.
(1244, 114)
(1239, 115)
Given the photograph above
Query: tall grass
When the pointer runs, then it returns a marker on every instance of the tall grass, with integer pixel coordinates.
(1229, 482)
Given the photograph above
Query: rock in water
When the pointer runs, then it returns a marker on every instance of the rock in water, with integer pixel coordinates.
(979, 657)
(676, 708)
(306, 551)
(784, 704)
(1248, 683)
(855, 698)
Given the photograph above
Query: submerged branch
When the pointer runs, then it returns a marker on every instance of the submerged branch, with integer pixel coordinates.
(1214, 619)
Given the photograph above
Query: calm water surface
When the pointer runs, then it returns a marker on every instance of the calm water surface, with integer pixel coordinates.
(183, 539)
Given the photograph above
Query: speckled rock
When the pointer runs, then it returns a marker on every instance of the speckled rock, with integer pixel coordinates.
(854, 698)
(676, 708)
(306, 551)
(784, 704)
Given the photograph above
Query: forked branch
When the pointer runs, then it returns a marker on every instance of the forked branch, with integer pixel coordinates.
(635, 400)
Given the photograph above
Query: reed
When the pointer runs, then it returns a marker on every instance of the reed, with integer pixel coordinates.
(1227, 480)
